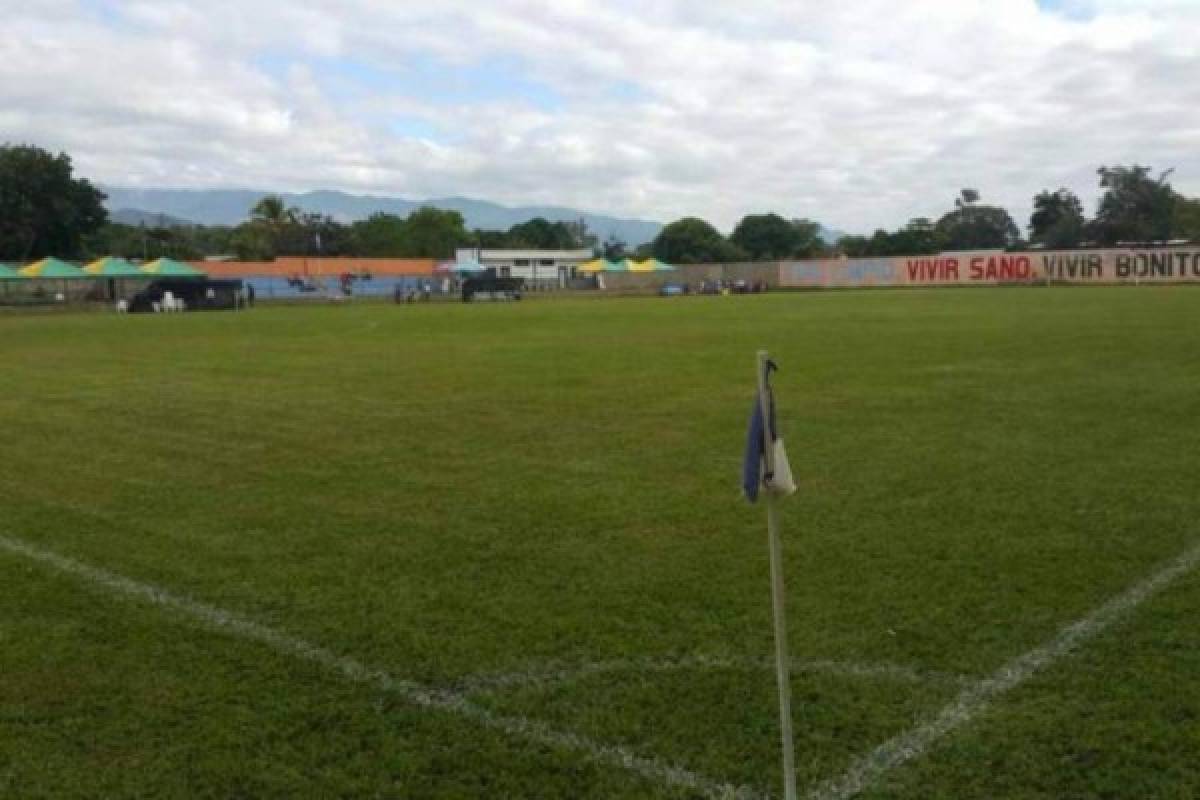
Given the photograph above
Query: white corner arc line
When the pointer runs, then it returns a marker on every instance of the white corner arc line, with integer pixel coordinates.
(975, 699)
(653, 769)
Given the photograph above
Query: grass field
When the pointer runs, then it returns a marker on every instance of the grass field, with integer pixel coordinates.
(528, 517)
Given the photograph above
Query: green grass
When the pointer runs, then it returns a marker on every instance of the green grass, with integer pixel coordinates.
(448, 491)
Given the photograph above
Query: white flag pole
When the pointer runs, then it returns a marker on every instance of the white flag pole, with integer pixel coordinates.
(778, 609)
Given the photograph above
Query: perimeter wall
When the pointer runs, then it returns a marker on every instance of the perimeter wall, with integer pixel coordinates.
(1159, 265)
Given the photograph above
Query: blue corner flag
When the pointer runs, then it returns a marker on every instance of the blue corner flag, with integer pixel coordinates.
(754, 463)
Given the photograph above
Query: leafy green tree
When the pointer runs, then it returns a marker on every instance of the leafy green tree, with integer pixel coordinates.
(1057, 220)
(252, 241)
(212, 240)
(433, 233)
(765, 237)
(541, 234)
(1185, 223)
(272, 212)
(854, 246)
(185, 242)
(494, 239)
(918, 238)
(691, 240)
(115, 239)
(308, 233)
(808, 242)
(1134, 207)
(881, 243)
(380, 236)
(973, 226)
(44, 210)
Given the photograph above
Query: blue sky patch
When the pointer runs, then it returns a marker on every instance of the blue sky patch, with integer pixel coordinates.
(1072, 9)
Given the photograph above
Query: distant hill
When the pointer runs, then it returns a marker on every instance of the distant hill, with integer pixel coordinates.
(231, 206)
(136, 216)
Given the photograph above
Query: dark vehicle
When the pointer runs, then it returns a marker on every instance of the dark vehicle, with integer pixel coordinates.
(489, 286)
(196, 294)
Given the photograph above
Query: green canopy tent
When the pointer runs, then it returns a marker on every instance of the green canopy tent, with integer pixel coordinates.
(170, 268)
(115, 270)
(53, 269)
(112, 267)
(7, 275)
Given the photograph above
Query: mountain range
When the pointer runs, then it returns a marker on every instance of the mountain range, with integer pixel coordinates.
(232, 206)
(166, 207)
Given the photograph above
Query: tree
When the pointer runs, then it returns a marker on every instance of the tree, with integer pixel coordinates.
(43, 209)
(1057, 220)
(581, 237)
(380, 236)
(272, 212)
(972, 226)
(1185, 223)
(691, 240)
(251, 241)
(263, 236)
(433, 233)
(496, 239)
(881, 243)
(1134, 206)
(614, 248)
(310, 233)
(807, 242)
(765, 237)
(541, 234)
(919, 237)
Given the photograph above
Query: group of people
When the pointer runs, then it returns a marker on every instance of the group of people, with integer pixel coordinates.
(740, 286)
(412, 294)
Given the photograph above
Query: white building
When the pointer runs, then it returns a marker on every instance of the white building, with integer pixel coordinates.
(538, 266)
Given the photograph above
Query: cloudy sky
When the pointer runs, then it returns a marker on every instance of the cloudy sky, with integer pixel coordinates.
(859, 113)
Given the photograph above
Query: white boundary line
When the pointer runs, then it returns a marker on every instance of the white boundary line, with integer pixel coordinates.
(867, 769)
(555, 673)
(229, 622)
(975, 699)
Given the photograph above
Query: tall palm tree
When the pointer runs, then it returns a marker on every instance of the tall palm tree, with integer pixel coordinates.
(272, 212)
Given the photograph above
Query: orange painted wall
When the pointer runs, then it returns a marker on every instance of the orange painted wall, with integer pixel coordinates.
(286, 266)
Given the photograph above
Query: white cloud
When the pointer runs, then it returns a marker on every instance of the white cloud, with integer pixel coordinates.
(859, 114)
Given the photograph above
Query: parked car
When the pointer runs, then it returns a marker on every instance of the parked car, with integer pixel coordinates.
(488, 285)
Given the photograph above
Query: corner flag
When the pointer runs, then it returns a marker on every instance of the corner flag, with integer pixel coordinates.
(765, 463)
(766, 466)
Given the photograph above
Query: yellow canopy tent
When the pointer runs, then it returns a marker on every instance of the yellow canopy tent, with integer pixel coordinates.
(52, 268)
(651, 265)
(112, 267)
(601, 265)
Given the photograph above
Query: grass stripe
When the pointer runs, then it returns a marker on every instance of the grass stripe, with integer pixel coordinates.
(975, 699)
(520, 727)
(552, 674)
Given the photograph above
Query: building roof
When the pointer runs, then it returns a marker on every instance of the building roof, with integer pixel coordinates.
(558, 255)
